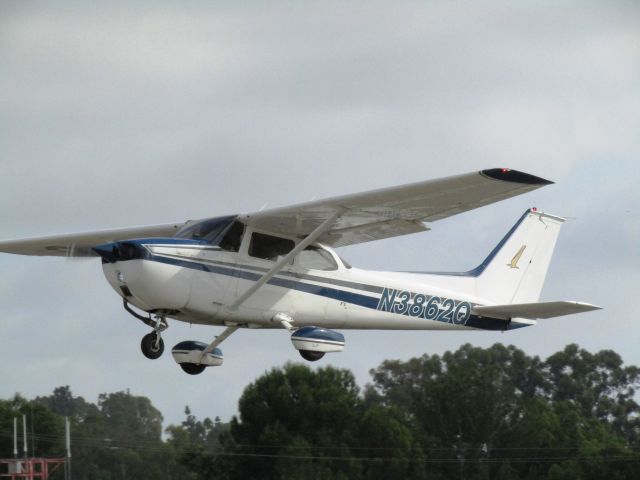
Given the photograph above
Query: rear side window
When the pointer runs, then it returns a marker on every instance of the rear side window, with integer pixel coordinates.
(269, 247)
(314, 258)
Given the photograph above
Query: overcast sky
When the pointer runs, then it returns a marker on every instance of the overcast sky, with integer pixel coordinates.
(113, 116)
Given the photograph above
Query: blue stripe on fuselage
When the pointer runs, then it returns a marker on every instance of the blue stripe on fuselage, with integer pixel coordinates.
(323, 291)
(474, 321)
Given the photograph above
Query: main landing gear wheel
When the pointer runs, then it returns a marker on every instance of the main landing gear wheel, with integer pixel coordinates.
(311, 355)
(192, 368)
(152, 345)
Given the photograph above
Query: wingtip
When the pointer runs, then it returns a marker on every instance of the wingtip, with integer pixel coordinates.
(588, 307)
(508, 175)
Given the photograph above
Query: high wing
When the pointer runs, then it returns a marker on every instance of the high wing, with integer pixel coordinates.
(534, 310)
(362, 217)
(395, 211)
(79, 244)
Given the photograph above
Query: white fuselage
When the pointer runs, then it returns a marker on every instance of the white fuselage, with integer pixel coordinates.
(195, 284)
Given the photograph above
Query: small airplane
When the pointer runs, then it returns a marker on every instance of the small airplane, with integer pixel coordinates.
(276, 268)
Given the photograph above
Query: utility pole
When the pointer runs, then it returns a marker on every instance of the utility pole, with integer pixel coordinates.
(15, 437)
(459, 448)
(485, 451)
(33, 437)
(24, 433)
(67, 431)
(31, 467)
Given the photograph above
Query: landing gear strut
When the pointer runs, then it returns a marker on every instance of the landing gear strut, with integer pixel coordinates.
(151, 345)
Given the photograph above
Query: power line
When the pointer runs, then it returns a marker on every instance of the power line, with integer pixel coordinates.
(108, 442)
(90, 442)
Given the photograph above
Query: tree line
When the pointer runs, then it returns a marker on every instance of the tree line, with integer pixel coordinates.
(474, 413)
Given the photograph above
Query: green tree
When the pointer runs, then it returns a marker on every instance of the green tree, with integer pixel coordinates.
(474, 413)
(123, 438)
(119, 438)
(63, 403)
(205, 433)
(295, 422)
(460, 402)
(390, 442)
(130, 418)
(498, 413)
(196, 443)
(599, 385)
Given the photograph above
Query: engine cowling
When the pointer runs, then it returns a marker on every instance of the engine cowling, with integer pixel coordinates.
(317, 339)
(190, 352)
(142, 273)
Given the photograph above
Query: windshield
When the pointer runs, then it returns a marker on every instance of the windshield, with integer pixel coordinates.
(208, 230)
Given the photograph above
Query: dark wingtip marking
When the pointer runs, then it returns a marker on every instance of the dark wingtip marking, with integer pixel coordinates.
(508, 175)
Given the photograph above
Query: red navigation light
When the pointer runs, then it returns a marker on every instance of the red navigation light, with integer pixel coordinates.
(505, 170)
(534, 209)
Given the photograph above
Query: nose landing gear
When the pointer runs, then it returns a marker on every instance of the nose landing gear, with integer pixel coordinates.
(151, 344)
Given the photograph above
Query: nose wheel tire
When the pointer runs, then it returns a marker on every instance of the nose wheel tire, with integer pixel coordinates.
(152, 345)
(311, 355)
(192, 368)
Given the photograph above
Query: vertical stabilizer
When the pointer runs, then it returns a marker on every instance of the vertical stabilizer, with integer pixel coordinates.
(514, 272)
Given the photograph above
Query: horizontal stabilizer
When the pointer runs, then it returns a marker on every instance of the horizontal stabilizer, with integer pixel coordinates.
(533, 310)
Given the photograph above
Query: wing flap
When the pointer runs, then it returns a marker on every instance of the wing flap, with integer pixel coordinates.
(373, 231)
(400, 210)
(533, 310)
(80, 244)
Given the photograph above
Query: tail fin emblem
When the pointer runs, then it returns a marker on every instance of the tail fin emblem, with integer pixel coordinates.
(516, 258)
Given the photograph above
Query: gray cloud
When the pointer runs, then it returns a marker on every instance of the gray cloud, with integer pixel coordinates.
(117, 115)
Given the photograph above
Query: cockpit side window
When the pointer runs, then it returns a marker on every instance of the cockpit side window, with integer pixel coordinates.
(314, 258)
(269, 247)
(232, 238)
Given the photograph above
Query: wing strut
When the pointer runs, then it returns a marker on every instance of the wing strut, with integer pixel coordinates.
(226, 333)
(312, 237)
